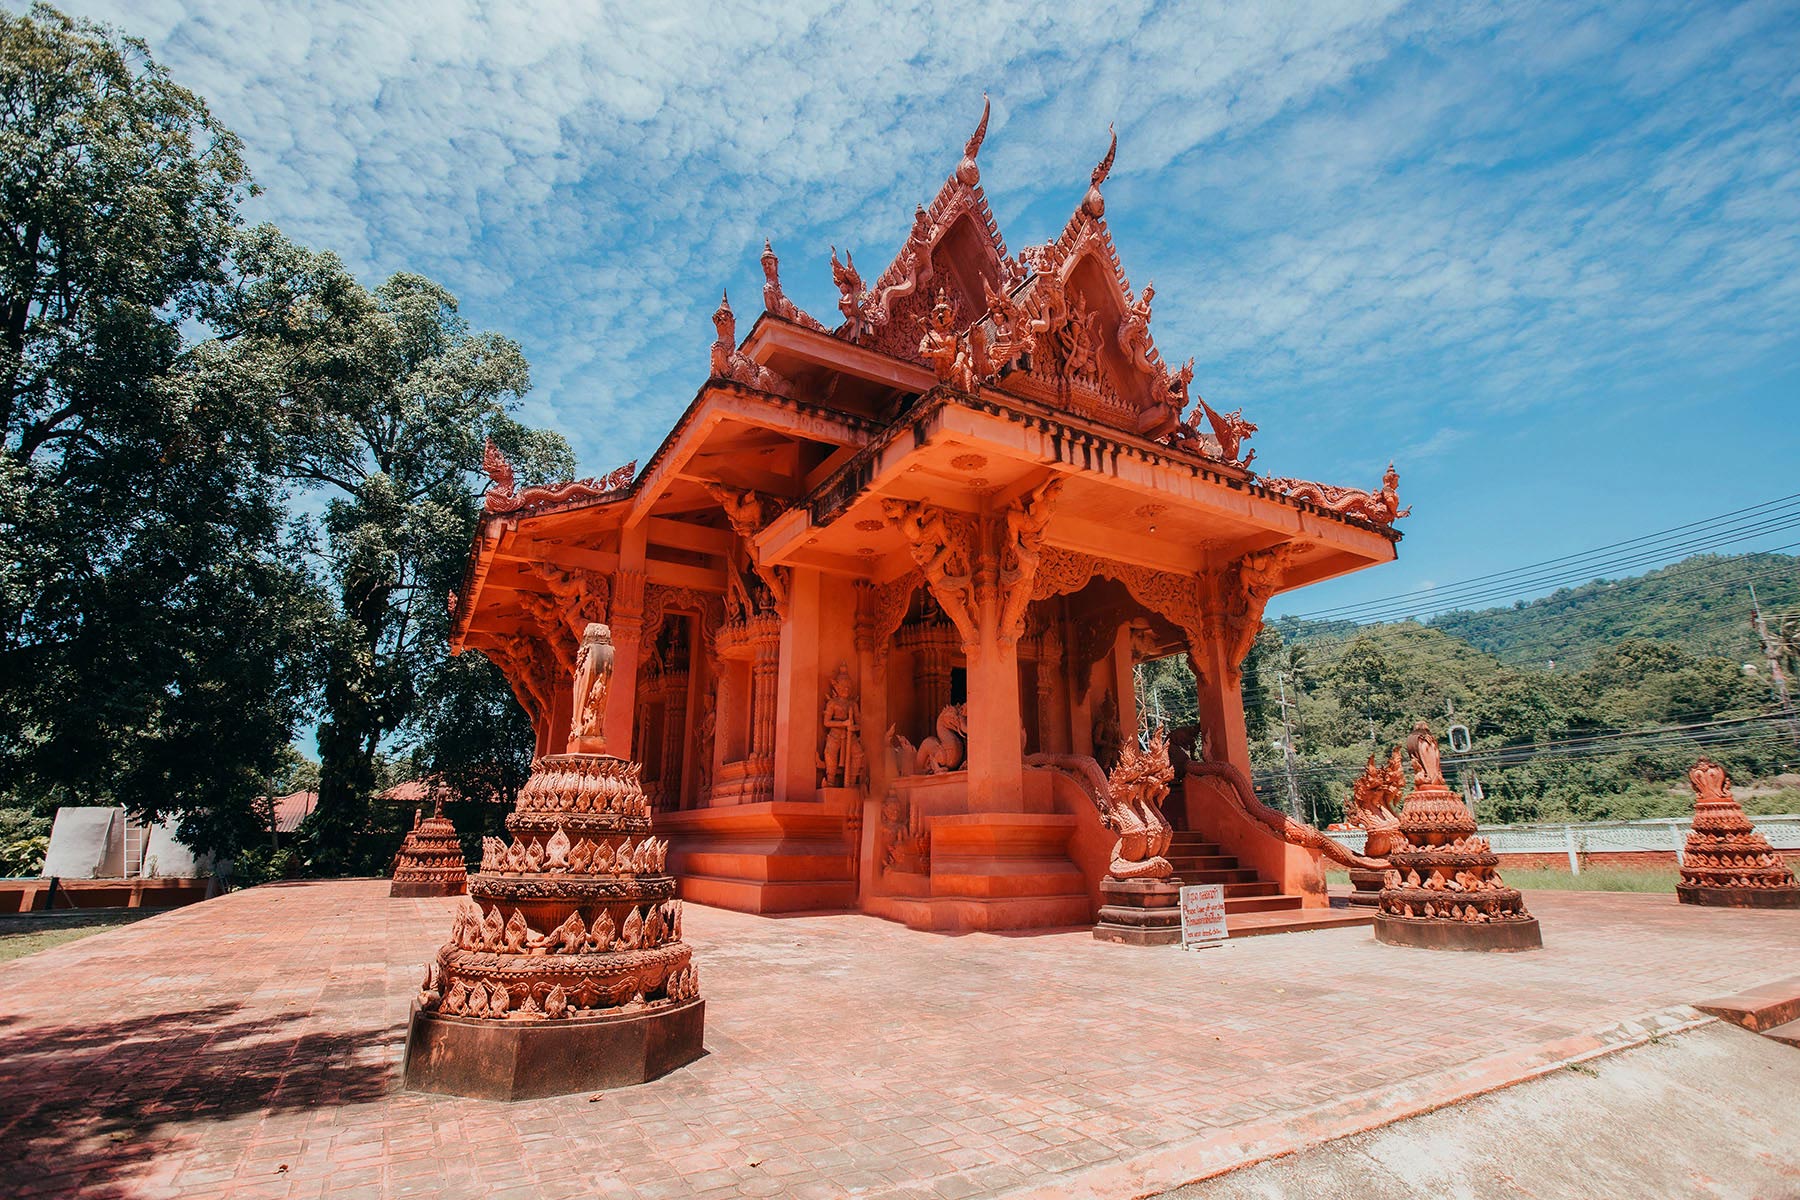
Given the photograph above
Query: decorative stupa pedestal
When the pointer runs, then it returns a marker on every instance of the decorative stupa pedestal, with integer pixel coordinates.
(1726, 863)
(1140, 896)
(1442, 892)
(430, 862)
(565, 970)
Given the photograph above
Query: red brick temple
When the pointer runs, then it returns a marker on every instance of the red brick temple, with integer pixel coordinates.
(879, 592)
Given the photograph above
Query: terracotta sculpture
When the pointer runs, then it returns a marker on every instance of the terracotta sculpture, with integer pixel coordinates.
(593, 676)
(1134, 332)
(774, 299)
(1378, 508)
(430, 862)
(1422, 749)
(1136, 789)
(565, 969)
(937, 754)
(1441, 890)
(842, 759)
(1108, 741)
(728, 362)
(1726, 863)
(1374, 808)
(504, 496)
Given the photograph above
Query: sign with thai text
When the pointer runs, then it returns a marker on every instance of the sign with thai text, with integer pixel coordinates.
(1203, 914)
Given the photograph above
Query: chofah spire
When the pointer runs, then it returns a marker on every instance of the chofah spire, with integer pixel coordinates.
(1094, 204)
(967, 171)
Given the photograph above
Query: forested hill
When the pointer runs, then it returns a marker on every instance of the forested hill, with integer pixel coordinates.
(1702, 602)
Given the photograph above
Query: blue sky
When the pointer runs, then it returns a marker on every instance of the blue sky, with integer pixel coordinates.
(1546, 257)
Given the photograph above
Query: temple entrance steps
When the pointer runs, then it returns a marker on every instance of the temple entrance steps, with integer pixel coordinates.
(1253, 905)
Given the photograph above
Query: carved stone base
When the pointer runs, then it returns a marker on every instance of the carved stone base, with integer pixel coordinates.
(526, 1060)
(407, 889)
(1140, 912)
(1368, 887)
(1436, 934)
(1783, 897)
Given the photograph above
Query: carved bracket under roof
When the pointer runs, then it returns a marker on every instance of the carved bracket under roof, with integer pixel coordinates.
(582, 593)
(944, 546)
(749, 512)
(1244, 590)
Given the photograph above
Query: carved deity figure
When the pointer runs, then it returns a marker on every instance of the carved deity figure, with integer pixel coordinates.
(1710, 783)
(852, 297)
(593, 678)
(728, 362)
(774, 299)
(703, 745)
(1108, 741)
(1134, 332)
(1422, 749)
(842, 759)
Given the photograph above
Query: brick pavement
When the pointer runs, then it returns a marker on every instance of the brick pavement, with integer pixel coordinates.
(249, 1047)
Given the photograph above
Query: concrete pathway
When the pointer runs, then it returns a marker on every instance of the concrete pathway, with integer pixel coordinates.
(1712, 1112)
(249, 1046)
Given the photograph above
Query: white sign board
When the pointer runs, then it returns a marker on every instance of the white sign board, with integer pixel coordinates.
(1203, 914)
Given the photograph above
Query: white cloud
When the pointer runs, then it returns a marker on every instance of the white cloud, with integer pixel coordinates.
(1419, 208)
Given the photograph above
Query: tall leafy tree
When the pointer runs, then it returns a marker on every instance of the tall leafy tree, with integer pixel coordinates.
(148, 621)
(387, 399)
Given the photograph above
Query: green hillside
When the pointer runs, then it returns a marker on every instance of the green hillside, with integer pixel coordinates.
(1702, 602)
(1649, 672)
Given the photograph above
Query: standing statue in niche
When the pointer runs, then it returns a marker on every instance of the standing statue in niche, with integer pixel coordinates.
(1422, 748)
(842, 760)
(1108, 741)
(593, 678)
(703, 746)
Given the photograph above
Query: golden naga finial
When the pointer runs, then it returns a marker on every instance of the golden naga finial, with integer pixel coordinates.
(966, 171)
(1095, 204)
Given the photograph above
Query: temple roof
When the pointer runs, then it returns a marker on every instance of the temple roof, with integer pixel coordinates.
(957, 352)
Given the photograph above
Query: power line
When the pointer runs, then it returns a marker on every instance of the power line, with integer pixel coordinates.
(1564, 560)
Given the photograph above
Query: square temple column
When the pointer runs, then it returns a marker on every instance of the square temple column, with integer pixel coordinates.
(996, 750)
(797, 695)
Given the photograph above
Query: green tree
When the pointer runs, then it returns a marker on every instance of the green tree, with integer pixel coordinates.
(149, 621)
(387, 397)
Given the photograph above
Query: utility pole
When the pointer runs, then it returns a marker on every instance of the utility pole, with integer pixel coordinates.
(1772, 653)
(1287, 747)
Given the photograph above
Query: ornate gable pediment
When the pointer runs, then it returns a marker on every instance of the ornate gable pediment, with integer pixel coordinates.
(954, 250)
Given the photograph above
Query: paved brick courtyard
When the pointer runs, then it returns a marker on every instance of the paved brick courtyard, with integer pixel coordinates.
(250, 1046)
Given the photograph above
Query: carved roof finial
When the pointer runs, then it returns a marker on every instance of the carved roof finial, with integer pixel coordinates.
(966, 171)
(768, 250)
(1095, 204)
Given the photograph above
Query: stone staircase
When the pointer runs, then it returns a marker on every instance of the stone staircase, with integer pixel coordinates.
(1253, 905)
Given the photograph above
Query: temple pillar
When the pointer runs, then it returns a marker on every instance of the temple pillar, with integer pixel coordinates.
(797, 694)
(627, 633)
(871, 682)
(995, 752)
(765, 670)
(1053, 713)
(1124, 680)
(1221, 702)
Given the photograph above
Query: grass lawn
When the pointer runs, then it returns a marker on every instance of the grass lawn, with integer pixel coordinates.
(27, 933)
(1549, 879)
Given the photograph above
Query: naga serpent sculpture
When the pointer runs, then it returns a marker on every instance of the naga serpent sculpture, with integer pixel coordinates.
(1296, 833)
(1129, 803)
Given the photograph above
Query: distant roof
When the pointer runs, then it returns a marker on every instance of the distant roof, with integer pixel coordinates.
(293, 808)
(413, 791)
